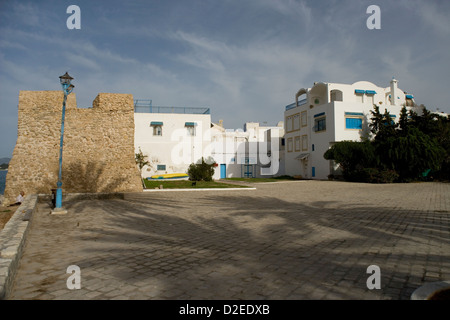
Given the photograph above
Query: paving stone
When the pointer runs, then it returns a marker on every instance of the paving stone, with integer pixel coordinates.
(278, 242)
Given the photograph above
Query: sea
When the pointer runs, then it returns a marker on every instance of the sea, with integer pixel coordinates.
(2, 180)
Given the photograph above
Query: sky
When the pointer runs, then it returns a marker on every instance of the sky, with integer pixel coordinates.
(244, 59)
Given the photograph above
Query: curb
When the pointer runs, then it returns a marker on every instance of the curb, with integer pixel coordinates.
(199, 189)
(12, 239)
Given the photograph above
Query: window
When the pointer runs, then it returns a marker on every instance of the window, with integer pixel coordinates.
(190, 126)
(359, 95)
(320, 122)
(304, 142)
(304, 119)
(297, 143)
(336, 95)
(191, 131)
(320, 125)
(409, 100)
(161, 167)
(289, 144)
(289, 124)
(296, 122)
(157, 128)
(353, 123)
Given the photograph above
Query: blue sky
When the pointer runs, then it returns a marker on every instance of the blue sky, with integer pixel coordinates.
(243, 59)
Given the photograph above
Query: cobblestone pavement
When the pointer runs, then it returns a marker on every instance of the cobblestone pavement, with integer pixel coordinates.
(286, 240)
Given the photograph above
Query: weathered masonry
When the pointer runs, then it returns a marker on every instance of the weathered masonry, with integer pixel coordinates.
(98, 152)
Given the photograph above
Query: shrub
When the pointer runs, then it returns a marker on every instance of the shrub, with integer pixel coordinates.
(202, 170)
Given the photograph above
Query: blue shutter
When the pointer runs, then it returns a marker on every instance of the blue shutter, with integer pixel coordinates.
(353, 123)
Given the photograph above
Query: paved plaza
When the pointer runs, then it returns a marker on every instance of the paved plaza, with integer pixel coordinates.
(286, 240)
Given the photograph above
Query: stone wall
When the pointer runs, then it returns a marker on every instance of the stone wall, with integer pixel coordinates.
(98, 152)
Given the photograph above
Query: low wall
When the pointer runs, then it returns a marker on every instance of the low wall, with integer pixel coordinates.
(12, 240)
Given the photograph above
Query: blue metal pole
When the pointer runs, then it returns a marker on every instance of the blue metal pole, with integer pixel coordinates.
(58, 202)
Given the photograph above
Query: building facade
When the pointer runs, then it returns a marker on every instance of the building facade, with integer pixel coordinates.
(330, 112)
(171, 137)
(254, 152)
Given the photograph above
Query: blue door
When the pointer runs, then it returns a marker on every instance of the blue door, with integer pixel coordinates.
(223, 171)
(248, 171)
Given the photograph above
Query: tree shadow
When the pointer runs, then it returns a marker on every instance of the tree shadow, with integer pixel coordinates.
(249, 247)
(90, 177)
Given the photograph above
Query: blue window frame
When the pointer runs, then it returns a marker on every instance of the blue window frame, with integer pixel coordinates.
(161, 167)
(353, 123)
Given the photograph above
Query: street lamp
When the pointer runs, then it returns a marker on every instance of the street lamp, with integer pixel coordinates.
(67, 88)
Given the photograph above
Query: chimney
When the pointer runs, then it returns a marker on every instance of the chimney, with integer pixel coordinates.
(394, 90)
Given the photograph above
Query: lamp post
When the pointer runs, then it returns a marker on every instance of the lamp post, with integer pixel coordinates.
(67, 88)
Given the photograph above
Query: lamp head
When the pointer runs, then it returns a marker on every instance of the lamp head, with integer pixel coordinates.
(65, 79)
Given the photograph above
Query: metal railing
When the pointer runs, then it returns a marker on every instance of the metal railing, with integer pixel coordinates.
(292, 105)
(145, 106)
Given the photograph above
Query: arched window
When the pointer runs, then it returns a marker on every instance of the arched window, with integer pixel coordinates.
(336, 95)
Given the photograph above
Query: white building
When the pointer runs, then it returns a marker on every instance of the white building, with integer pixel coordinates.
(171, 137)
(331, 112)
(253, 152)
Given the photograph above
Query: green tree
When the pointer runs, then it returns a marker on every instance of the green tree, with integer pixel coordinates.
(202, 170)
(376, 121)
(410, 154)
(352, 157)
(425, 122)
(403, 122)
(141, 162)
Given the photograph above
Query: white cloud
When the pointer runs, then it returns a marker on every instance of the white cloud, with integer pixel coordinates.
(291, 8)
(433, 14)
(82, 61)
